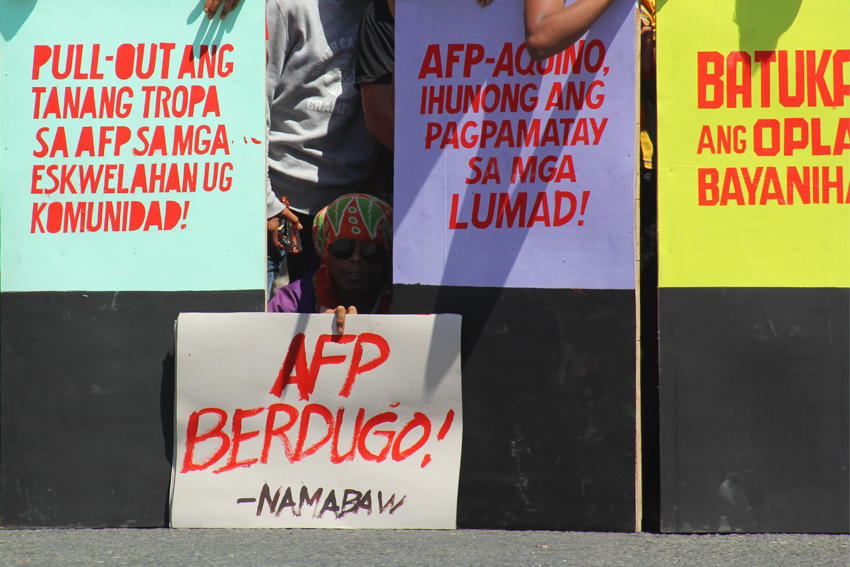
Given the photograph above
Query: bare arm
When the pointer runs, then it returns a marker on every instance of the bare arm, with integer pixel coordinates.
(551, 27)
(379, 107)
(379, 101)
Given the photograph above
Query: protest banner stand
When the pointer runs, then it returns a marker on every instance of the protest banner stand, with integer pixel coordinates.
(88, 384)
(132, 190)
(549, 430)
(754, 248)
(754, 424)
(542, 269)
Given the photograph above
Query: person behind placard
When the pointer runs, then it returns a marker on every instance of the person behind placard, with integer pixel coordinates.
(375, 73)
(647, 88)
(551, 27)
(353, 237)
(318, 145)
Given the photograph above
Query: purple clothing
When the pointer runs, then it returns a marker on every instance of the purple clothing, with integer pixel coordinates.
(297, 297)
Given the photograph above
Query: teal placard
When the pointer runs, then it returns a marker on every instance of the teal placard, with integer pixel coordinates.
(133, 150)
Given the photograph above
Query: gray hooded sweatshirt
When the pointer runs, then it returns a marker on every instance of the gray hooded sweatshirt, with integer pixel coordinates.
(319, 146)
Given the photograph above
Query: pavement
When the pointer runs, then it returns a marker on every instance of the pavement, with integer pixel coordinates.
(368, 548)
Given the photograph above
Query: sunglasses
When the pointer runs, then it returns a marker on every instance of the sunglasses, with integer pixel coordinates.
(371, 252)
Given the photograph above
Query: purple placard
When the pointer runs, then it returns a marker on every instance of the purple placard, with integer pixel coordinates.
(510, 173)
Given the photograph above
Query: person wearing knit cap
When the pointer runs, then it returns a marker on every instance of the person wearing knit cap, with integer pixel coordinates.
(353, 238)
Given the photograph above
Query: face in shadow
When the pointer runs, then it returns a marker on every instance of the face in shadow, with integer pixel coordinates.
(355, 267)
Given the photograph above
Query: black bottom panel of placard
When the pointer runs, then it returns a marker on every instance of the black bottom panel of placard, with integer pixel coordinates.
(548, 405)
(87, 403)
(755, 389)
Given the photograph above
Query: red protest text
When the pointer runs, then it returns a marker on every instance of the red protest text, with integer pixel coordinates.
(100, 141)
(772, 137)
(108, 216)
(518, 211)
(459, 60)
(266, 428)
(810, 77)
(767, 186)
(140, 61)
(519, 133)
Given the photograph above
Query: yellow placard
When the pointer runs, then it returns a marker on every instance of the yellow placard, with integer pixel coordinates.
(754, 143)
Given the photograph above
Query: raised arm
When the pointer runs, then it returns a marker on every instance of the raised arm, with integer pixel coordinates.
(551, 27)
(379, 108)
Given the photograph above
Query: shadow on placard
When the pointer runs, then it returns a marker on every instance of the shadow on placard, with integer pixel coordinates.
(515, 452)
(761, 23)
(15, 13)
(211, 31)
(457, 258)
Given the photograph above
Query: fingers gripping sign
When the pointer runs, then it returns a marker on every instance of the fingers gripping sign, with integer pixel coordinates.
(340, 313)
(211, 7)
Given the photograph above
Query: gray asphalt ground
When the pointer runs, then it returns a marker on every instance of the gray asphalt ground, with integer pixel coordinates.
(367, 548)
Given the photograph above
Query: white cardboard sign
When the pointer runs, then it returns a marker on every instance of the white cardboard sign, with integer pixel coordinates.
(280, 423)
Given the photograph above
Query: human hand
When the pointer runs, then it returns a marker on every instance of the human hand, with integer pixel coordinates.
(273, 224)
(340, 313)
(211, 7)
